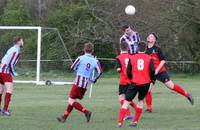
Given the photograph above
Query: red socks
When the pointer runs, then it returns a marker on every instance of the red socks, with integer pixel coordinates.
(79, 107)
(7, 101)
(180, 90)
(133, 105)
(148, 99)
(121, 102)
(68, 111)
(137, 114)
(128, 112)
(75, 105)
(122, 113)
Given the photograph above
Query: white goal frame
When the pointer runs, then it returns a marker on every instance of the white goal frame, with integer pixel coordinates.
(39, 39)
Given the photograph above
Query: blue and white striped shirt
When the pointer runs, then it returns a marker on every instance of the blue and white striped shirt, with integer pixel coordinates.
(84, 66)
(10, 60)
(133, 40)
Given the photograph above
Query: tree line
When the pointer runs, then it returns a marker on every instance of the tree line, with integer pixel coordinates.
(177, 23)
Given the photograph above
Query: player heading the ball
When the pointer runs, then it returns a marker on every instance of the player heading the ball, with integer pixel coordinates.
(131, 37)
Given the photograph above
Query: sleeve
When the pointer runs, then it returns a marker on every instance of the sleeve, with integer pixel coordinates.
(117, 63)
(17, 59)
(122, 39)
(129, 70)
(152, 71)
(138, 37)
(74, 66)
(13, 61)
(98, 72)
(161, 54)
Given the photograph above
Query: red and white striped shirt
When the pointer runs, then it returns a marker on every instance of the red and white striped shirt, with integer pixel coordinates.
(10, 60)
(85, 66)
(133, 40)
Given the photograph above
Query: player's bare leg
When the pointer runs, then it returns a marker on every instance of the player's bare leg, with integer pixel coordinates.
(128, 114)
(122, 113)
(180, 90)
(138, 114)
(1, 92)
(9, 89)
(148, 98)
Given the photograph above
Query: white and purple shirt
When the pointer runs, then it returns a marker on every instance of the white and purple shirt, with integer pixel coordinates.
(84, 66)
(10, 60)
(133, 40)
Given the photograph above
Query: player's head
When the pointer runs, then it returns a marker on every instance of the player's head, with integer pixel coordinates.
(142, 47)
(127, 29)
(19, 41)
(152, 38)
(124, 46)
(88, 47)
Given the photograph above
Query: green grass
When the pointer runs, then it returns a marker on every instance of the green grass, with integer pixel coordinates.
(36, 107)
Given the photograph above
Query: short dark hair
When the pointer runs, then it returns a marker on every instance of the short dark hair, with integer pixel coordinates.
(142, 46)
(88, 47)
(124, 46)
(125, 26)
(16, 39)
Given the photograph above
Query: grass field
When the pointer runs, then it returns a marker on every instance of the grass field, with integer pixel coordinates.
(36, 107)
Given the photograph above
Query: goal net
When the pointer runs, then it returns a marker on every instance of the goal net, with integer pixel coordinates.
(45, 58)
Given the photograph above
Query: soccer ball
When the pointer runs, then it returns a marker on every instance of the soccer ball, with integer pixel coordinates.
(130, 10)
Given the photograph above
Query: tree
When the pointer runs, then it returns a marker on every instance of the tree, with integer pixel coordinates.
(15, 14)
(77, 26)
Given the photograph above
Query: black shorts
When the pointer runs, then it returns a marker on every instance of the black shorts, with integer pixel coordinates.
(133, 89)
(123, 89)
(163, 77)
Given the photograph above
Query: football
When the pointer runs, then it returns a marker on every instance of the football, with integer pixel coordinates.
(130, 10)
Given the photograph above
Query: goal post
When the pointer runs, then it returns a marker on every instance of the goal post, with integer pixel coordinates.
(38, 55)
(39, 29)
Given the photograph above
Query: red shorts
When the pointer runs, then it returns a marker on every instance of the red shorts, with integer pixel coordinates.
(5, 78)
(77, 92)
